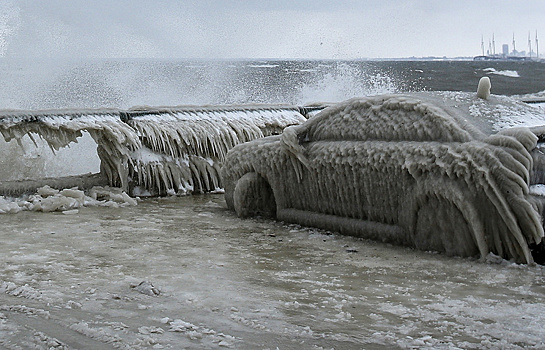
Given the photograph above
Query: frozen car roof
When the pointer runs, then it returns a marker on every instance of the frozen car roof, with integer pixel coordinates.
(420, 117)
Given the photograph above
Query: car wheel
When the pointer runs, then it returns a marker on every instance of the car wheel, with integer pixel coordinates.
(442, 226)
(253, 196)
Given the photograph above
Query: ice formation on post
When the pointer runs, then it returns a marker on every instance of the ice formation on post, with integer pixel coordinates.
(154, 150)
(437, 171)
(483, 89)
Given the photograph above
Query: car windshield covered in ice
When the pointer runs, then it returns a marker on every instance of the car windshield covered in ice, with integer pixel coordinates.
(442, 171)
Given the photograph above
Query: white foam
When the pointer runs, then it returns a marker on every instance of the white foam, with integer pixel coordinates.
(506, 73)
(263, 65)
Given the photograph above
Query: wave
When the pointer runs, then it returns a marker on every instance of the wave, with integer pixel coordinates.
(506, 73)
(125, 83)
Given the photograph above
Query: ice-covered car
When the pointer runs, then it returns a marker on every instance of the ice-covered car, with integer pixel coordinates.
(443, 171)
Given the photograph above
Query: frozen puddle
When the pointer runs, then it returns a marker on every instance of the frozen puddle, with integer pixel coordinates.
(184, 272)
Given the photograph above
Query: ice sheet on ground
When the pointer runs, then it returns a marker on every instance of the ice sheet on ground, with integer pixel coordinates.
(247, 284)
(492, 115)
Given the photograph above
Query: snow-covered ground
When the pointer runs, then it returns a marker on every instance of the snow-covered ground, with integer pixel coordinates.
(184, 272)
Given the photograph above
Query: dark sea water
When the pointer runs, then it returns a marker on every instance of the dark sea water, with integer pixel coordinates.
(126, 83)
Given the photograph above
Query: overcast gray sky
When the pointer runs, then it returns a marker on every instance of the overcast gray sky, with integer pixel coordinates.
(336, 29)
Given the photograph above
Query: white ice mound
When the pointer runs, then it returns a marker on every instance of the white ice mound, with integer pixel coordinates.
(483, 89)
(68, 200)
(436, 171)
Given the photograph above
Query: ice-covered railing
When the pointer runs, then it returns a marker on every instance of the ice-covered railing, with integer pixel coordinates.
(115, 139)
(155, 151)
(182, 148)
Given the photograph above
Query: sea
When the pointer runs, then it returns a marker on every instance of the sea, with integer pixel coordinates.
(186, 273)
(124, 83)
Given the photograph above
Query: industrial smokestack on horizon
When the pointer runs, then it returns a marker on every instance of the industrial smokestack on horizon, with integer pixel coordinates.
(505, 53)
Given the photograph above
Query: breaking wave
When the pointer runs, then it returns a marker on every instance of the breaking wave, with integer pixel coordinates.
(343, 82)
(127, 83)
(506, 73)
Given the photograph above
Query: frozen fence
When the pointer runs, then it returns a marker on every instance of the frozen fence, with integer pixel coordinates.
(152, 151)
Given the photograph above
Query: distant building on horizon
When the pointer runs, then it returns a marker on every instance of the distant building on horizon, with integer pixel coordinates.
(505, 54)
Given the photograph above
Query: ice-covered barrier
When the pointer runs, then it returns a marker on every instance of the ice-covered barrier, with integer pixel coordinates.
(442, 171)
(115, 139)
(183, 148)
(154, 151)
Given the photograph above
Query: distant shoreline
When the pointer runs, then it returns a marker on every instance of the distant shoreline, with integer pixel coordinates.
(57, 60)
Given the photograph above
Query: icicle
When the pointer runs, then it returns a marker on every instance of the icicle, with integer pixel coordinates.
(208, 133)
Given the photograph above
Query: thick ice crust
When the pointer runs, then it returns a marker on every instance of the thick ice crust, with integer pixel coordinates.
(433, 176)
(22, 187)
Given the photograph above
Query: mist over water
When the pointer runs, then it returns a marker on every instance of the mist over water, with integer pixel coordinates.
(123, 83)
(121, 54)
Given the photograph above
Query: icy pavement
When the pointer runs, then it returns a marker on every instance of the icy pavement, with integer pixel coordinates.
(185, 273)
